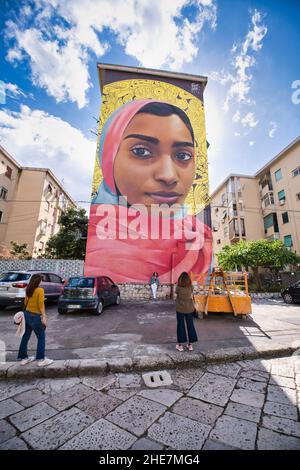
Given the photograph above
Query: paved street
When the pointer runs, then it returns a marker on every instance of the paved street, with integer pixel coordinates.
(242, 405)
(146, 327)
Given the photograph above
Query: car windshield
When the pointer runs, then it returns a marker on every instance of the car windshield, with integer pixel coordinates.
(12, 277)
(81, 282)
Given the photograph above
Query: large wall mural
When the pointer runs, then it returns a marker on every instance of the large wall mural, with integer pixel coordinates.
(150, 200)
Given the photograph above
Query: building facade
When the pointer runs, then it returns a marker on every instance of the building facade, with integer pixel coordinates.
(31, 201)
(266, 205)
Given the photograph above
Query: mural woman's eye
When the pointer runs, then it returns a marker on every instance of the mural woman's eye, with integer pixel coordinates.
(183, 156)
(141, 151)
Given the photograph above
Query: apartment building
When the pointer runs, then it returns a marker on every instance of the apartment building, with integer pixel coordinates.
(236, 211)
(266, 205)
(31, 201)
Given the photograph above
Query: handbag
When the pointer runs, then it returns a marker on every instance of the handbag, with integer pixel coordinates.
(21, 311)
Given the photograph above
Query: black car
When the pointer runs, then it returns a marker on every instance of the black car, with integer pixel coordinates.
(88, 293)
(291, 294)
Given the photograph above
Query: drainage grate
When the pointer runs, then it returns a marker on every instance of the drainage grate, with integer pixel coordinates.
(157, 379)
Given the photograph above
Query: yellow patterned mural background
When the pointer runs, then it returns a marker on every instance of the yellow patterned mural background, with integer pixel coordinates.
(118, 93)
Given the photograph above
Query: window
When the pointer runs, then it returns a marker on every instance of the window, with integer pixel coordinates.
(234, 228)
(13, 277)
(281, 195)
(285, 218)
(268, 221)
(50, 188)
(55, 279)
(278, 175)
(1, 214)
(3, 193)
(109, 282)
(47, 208)
(223, 198)
(243, 231)
(233, 210)
(81, 282)
(298, 196)
(296, 172)
(43, 227)
(268, 199)
(288, 242)
(218, 242)
(8, 172)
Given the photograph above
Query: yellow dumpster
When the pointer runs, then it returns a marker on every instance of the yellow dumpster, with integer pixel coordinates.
(222, 292)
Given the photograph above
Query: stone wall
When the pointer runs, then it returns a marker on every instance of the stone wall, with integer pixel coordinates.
(143, 291)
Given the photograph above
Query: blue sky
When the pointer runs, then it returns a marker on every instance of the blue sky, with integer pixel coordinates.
(49, 49)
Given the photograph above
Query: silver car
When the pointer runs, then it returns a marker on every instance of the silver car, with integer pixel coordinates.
(14, 283)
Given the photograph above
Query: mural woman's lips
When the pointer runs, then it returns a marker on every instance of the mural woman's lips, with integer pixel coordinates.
(165, 197)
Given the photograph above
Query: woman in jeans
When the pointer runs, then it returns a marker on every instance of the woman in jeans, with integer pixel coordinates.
(36, 320)
(154, 283)
(185, 313)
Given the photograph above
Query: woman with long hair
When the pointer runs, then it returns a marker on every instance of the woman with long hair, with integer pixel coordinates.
(147, 159)
(35, 320)
(185, 313)
(154, 283)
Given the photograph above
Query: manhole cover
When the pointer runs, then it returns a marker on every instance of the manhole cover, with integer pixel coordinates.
(157, 379)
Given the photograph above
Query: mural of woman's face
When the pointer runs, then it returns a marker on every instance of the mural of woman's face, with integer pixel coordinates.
(155, 161)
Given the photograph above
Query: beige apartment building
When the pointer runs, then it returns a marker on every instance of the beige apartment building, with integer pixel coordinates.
(266, 205)
(31, 201)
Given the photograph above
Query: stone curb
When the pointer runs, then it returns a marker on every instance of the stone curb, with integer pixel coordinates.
(266, 295)
(166, 360)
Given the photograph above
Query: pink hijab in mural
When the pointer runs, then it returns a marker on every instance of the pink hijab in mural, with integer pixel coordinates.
(120, 242)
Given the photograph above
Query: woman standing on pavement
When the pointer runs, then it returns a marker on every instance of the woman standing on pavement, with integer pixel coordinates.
(35, 320)
(185, 313)
(154, 283)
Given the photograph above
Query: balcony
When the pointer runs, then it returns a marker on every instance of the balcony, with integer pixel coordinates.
(234, 232)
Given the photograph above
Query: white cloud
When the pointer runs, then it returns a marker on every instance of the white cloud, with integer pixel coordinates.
(236, 117)
(251, 143)
(237, 134)
(273, 128)
(14, 91)
(34, 137)
(249, 120)
(242, 62)
(63, 34)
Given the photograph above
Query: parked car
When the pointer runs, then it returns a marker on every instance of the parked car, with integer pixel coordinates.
(291, 294)
(14, 283)
(88, 293)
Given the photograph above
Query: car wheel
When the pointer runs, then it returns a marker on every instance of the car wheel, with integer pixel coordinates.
(288, 298)
(62, 311)
(99, 308)
(118, 300)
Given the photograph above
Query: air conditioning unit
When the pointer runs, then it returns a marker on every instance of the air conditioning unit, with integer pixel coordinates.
(282, 202)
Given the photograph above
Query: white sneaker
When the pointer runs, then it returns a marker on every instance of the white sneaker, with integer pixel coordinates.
(25, 361)
(45, 362)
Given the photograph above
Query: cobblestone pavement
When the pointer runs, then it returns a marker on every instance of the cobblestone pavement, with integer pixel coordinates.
(241, 405)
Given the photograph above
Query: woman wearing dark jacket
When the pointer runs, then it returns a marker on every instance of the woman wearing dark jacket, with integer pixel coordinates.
(185, 313)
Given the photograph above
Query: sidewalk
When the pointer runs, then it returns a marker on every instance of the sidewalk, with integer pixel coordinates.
(243, 405)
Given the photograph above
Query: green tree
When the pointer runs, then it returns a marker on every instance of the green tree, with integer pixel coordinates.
(70, 241)
(255, 254)
(19, 250)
